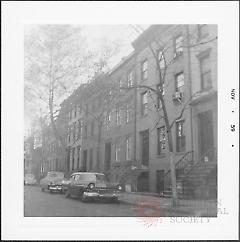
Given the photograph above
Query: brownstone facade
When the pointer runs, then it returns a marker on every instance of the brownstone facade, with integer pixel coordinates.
(115, 128)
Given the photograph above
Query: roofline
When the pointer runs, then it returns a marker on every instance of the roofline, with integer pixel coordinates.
(122, 62)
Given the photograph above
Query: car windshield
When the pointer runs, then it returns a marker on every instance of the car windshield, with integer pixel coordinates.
(55, 174)
(100, 177)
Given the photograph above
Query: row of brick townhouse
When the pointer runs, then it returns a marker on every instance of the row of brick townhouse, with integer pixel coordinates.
(116, 128)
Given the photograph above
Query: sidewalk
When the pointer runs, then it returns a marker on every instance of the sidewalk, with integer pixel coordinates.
(201, 208)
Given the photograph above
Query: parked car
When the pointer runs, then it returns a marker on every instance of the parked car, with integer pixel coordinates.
(30, 179)
(65, 182)
(52, 182)
(92, 186)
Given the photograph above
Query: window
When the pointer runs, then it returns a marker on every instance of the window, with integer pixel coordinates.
(80, 108)
(130, 79)
(178, 45)
(108, 120)
(120, 84)
(86, 109)
(202, 31)
(85, 131)
(73, 151)
(79, 129)
(128, 148)
(74, 131)
(159, 103)
(118, 115)
(205, 69)
(75, 111)
(127, 113)
(117, 151)
(144, 101)
(92, 128)
(161, 61)
(161, 140)
(180, 136)
(91, 159)
(78, 157)
(179, 82)
(144, 70)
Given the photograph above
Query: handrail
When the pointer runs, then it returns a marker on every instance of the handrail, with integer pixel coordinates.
(184, 156)
(201, 158)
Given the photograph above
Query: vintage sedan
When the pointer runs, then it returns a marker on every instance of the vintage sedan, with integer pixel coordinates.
(92, 186)
(30, 179)
(52, 182)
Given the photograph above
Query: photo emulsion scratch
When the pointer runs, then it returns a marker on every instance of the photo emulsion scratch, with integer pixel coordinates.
(121, 121)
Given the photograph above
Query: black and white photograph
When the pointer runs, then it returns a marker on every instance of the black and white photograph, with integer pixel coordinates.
(141, 133)
(123, 120)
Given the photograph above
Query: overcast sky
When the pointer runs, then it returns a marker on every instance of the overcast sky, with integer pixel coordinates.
(94, 35)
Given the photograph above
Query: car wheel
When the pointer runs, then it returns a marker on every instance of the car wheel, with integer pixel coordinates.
(83, 198)
(67, 194)
(115, 200)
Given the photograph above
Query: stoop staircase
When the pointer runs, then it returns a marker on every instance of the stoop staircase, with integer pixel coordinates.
(194, 179)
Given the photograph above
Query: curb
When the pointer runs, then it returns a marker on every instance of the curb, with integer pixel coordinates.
(165, 208)
(178, 210)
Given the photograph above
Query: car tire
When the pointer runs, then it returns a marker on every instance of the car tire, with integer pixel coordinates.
(67, 194)
(83, 198)
(115, 200)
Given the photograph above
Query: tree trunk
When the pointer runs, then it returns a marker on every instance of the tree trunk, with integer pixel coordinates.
(98, 144)
(55, 131)
(171, 154)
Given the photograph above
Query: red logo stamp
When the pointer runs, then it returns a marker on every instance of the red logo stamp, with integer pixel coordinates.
(149, 211)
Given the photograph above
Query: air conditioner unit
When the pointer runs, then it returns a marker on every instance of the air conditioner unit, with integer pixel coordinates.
(177, 96)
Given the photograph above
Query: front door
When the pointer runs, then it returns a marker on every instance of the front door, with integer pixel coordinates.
(107, 156)
(205, 130)
(145, 147)
(160, 181)
(142, 182)
(84, 165)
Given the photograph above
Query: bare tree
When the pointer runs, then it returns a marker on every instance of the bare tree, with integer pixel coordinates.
(158, 51)
(56, 62)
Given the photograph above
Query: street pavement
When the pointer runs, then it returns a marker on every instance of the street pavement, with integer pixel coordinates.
(41, 204)
(46, 204)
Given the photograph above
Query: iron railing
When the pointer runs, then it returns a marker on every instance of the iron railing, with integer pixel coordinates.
(183, 163)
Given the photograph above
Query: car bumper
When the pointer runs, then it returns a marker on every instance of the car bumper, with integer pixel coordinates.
(30, 183)
(55, 188)
(99, 195)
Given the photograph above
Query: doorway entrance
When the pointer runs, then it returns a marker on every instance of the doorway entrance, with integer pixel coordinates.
(107, 156)
(142, 182)
(145, 147)
(84, 165)
(205, 134)
(160, 181)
